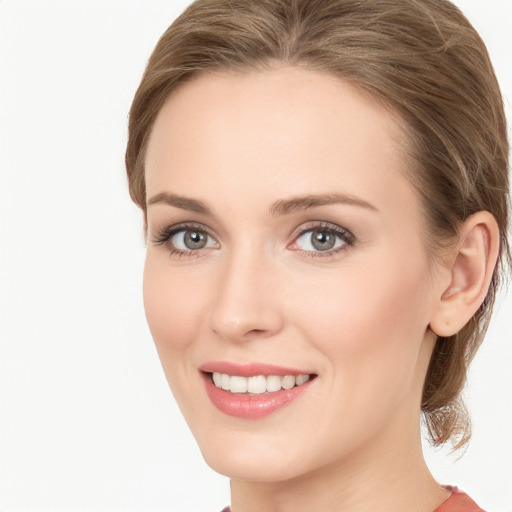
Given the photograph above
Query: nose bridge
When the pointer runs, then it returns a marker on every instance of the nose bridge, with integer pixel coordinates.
(245, 305)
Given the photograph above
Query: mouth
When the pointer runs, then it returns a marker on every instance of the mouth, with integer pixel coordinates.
(253, 391)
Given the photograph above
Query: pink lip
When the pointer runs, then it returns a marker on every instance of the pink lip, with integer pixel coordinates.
(250, 370)
(247, 406)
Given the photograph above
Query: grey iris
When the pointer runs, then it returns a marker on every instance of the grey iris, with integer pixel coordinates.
(195, 239)
(322, 241)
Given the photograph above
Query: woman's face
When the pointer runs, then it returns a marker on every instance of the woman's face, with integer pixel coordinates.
(284, 239)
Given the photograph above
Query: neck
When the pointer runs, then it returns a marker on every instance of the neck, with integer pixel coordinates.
(391, 479)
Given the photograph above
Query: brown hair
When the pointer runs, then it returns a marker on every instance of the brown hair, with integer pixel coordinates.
(420, 57)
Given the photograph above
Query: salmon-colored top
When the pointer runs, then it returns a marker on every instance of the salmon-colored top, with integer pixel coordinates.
(457, 502)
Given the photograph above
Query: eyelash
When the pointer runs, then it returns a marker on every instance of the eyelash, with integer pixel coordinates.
(166, 234)
(348, 239)
(343, 234)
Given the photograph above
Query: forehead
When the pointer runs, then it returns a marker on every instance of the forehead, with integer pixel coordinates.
(286, 130)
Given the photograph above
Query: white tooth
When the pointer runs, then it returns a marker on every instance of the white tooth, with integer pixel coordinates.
(273, 383)
(238, 384)
(217, 379)
(257, 384)
(301, 379)
(288, 382)
(225, 382)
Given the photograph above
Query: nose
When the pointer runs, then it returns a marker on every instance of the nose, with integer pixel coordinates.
(246, 300)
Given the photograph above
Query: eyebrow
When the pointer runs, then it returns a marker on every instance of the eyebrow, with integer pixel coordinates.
(185, 203)
(281, 207)
(301, 203)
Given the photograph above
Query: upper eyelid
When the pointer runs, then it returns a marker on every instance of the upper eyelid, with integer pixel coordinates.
(322, 225)
(166, 233)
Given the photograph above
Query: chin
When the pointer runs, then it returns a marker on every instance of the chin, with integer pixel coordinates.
(256, 459)
(261, 469)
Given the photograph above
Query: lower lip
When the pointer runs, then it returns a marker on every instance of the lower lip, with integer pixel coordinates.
(251, 406)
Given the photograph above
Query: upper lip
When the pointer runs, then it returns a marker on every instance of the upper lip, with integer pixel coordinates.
(250, 369)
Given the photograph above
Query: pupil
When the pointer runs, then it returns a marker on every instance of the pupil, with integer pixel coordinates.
(195, 239)
(323, 241)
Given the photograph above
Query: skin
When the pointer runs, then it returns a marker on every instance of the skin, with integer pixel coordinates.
(359, 318)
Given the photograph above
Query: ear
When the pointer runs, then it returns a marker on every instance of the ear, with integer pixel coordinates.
(471, 266)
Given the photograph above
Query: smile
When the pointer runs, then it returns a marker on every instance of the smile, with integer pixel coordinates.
(253, 391)
(258, 384)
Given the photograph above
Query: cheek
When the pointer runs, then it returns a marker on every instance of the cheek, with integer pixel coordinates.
(369, 320)
(358, 302)
(173, 304)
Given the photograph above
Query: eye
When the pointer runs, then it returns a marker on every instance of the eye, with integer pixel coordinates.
(191, 240)
(185, 240)
(324, 238)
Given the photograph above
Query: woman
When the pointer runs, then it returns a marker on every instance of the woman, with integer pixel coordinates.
(324, 187)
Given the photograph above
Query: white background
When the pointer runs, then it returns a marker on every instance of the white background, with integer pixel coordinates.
(86, 420)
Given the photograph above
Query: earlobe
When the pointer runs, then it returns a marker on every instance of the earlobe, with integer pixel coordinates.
(471, 269)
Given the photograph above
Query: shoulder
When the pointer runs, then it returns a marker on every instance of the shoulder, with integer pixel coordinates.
(458, 502)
